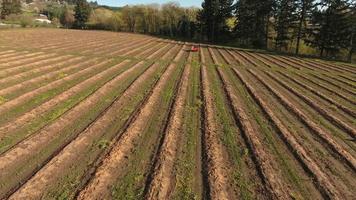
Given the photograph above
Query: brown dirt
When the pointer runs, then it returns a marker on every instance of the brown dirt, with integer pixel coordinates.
(163, 49)
(213, 56)
(18, 69)
(247, 58)
(237, 58)
(180, 53)
(161, 184)
(25, 118)
(338, 122)
(65, 67)
(275, 185)
(18, 154)
(321, 95)
(130, 49)
(225, 56)
(37, 185)
(321, 178)
(21, 60)
(21, 99)
(327, 81)
(327, 88)
(106, 173)
(217, 173)
(313, 126)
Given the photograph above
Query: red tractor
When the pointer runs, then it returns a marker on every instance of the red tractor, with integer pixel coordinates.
(195, 49)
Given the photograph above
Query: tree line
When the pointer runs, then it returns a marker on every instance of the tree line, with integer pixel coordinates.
(327, 26)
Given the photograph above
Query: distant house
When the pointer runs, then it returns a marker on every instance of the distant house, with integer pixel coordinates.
(43, 19)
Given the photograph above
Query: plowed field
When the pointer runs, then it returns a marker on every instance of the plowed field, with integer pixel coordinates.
(101, 115)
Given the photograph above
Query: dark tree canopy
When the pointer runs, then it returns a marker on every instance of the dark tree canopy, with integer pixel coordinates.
(252, 22)
(286, 21)
(330, 29)
(10, 7)
(213, 17)
(82, 12)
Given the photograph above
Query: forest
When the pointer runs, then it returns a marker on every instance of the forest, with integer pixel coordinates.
(324, 28)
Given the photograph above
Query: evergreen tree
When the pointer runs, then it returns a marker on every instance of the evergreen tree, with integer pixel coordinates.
(352, 31)
(10, 7)
(286, 18)
(213, 17)
(82, 12)
(304, 9)
(330, 29)
(253, 21)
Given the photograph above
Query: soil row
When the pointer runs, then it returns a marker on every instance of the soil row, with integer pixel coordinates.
(106, 174)
(324, 135)
(26, 117)
(24, 151)
(25, 97)
(264, 162)
(335, 120)
(29, 78)
(322, 180)
(38, 184)
(163, 174)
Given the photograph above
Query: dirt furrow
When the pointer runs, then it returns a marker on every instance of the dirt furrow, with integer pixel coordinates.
(163, 49)
(21, 68)
(349, 66)
(333, 119)
(105, 48)
(338, 79)
(14, 82)
(6, 52)
(37, 185)
(25, 97)
(130, 49)
(161, 184)
(305, 62)
(327, 81)
(226, 58)
(264, 161)
(348, 78)
(26, 117)
(20, 59)
(180, 53)
(170, 53)
(20, 62)
(105, 175)
(201, 55)
(281, 62)
(213, 56)
(9, 55)
(79, 48)
(23, 151)
(154, 49)
(237, 58)
(295, 63)
(321, 95)
(248, 59)
(143, 52)
(216, 170)
(264, 60)
(324, 135)
(330, 67)
(327, 88)
(296, 148)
